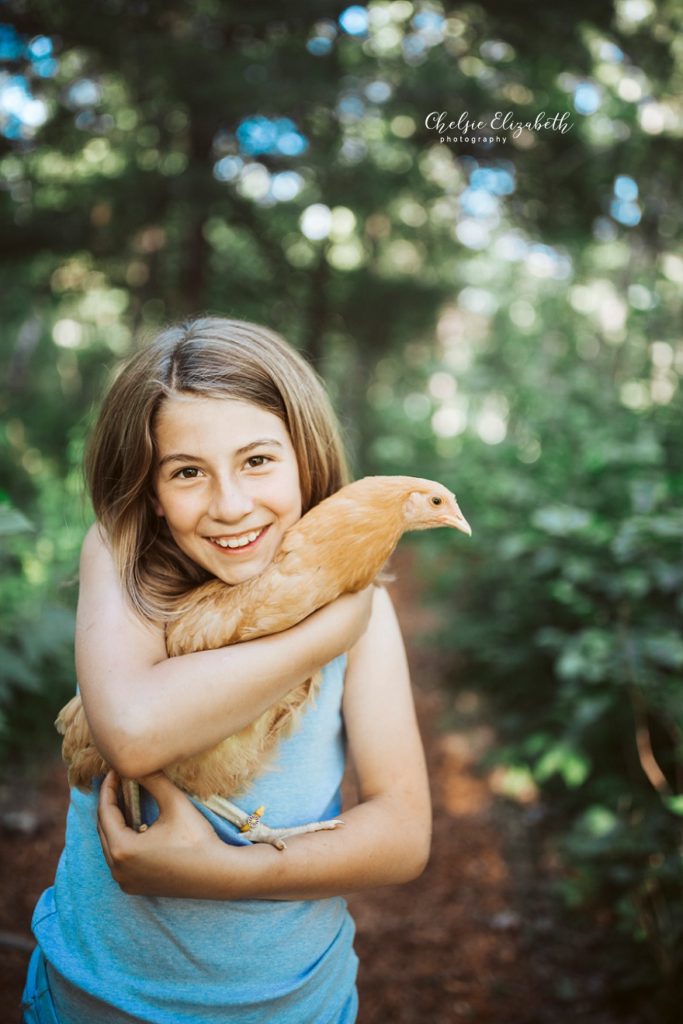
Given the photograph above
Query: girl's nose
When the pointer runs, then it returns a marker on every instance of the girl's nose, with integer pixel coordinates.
(229, 501)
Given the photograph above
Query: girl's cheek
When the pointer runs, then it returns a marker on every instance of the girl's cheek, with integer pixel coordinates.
(187, 504)
(178, 503)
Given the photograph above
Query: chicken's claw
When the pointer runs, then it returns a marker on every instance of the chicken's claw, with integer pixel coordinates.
(254, 829)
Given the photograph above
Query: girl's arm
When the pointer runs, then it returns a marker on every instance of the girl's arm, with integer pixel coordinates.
(385, 838)
(146, 710)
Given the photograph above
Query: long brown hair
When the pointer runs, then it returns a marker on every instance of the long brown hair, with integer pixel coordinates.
(216, 358)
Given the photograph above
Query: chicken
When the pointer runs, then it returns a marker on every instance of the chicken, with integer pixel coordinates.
(339, 546)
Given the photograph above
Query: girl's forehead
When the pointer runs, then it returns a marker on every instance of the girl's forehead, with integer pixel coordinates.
(208, 420)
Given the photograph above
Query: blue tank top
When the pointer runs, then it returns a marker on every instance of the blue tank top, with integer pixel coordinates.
(116, 958)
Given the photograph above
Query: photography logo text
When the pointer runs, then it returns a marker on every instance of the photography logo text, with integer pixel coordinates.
(498, 129)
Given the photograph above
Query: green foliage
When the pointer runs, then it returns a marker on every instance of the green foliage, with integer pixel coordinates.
(37, 566)
(568, 607)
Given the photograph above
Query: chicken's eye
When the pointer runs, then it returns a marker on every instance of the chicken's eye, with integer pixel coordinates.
(436, 500)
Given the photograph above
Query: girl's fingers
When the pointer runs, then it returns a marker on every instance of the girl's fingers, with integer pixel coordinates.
(108, 803)
(177, 814)
(104, 843)
(162, 789)
(109, 815)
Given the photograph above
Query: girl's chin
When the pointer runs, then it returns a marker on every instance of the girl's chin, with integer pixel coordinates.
(232, 575)
(239, 570)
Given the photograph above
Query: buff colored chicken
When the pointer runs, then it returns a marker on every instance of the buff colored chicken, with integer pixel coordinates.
(339, 546)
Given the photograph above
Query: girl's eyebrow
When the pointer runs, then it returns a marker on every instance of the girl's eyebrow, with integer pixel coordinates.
(177, 457)
(182, 457)
(257, 444)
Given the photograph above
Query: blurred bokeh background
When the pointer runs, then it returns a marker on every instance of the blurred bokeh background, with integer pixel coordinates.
(501, 315)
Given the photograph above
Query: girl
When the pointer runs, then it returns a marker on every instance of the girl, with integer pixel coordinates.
(211, 443)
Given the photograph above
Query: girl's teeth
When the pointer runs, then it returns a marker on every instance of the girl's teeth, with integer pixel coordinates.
(238, 542)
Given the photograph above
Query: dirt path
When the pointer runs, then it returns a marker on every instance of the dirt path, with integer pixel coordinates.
(445, 948)
(450, 946)
(33, 807)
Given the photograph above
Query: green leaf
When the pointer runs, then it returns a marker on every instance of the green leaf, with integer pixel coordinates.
(599, 821)
(13, 521)
(561, 520)
(564, 760)
(665, 649)
(674, 804)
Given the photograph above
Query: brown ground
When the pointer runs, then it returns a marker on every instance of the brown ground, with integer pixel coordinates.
(477, 938)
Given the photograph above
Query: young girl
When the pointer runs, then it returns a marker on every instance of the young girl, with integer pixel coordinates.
(211, 443)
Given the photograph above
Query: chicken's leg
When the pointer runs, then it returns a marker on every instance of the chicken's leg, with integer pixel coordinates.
(250, 824)
(132, 811)
(253, 828)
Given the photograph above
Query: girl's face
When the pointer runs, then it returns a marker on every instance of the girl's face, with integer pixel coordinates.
(227, 482)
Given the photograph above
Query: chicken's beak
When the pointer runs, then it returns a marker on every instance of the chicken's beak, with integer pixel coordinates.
(457, 520)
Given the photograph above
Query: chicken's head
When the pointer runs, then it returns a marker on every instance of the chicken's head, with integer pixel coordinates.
(430, 504)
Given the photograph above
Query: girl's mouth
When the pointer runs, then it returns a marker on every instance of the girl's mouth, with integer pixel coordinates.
(242, 542)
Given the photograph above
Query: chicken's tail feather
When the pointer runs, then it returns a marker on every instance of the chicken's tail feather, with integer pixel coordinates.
(84, 762)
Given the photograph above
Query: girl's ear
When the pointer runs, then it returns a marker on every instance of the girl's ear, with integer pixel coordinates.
(156, 505)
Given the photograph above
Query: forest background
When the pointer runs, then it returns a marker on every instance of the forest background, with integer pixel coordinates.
(496, 307)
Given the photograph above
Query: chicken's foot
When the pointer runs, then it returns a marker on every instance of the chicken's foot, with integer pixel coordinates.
(249, 824)
(254, 829)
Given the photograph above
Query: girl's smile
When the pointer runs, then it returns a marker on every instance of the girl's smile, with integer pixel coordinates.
(240, 541)
(227, 482)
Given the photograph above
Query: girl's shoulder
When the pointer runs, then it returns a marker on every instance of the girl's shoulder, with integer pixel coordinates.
(102, 596)
(96, 544)
(97, 564)
(383, 624)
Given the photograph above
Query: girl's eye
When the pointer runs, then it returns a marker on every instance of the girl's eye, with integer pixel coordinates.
(187, 473)
(256, 461)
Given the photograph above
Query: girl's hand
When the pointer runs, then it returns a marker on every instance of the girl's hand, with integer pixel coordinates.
(165, 860)
(345, 620)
